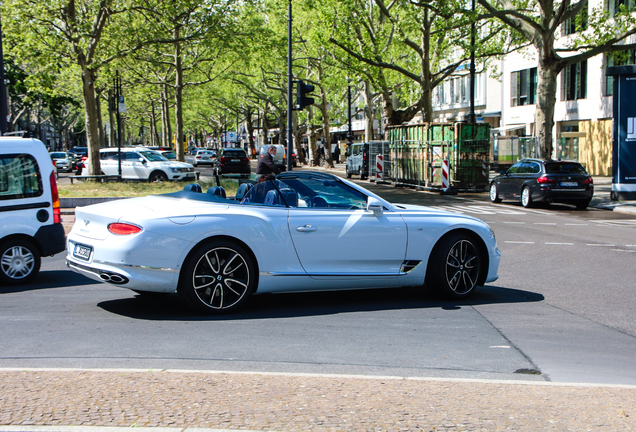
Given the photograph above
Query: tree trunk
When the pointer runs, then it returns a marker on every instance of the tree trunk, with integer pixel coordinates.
(166, 128)
(250, 132)
(546, 99)
(326, 126)
(178, 100)
(92, 132)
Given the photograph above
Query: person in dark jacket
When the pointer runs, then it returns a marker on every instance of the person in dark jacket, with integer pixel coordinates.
(266, 166)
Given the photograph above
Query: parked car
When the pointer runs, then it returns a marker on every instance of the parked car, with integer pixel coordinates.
(537, 180)
(279, 158)
(63, 161)
(30, 218)
(141, 164)
(204, 157)
(302, 231)
(293, 155)
(79, 152)
(357, 160)
(233, 161)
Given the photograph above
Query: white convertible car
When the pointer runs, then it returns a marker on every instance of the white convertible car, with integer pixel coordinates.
(302, 231)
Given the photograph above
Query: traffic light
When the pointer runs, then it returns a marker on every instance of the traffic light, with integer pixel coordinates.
(301, 90)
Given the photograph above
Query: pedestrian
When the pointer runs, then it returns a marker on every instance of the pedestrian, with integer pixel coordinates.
(336, 154)
(266, 167)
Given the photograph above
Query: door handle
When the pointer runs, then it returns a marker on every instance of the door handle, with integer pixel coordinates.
(306, 228)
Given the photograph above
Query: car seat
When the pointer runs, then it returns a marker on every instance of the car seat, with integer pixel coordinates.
(290, 196)
(242, 190)
(272, 198)
(218, 191)
(193, 187)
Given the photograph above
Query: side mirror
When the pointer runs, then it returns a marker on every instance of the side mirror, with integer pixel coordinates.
(503, 172)
(374, 205)
(142, 160)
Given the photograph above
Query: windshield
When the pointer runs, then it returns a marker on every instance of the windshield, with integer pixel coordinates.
(153, 156)
(58, 155)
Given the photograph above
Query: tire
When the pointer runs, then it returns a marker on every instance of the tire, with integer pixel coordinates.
(218, 277)
(362, 176)
(455, 266)
(348, 174)
(19, 262)
(582, 205)
(157, 176)
(526, 197)
(494, 195)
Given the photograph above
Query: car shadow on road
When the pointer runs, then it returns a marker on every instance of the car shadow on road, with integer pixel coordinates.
(49, 279)
(292, 305)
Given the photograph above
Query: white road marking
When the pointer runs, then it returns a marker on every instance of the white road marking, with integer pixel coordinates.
(600, 245)
(615, 222)
(566, 244)
(500, 346)
(571, 224)
(519, 223)
(545, 223)
(519, 242)
(622, 250)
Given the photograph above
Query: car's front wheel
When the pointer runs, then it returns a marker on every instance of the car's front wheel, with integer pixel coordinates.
(19, 262)
(455, 266)
(158, 176)
(494, 195)
(218, 277)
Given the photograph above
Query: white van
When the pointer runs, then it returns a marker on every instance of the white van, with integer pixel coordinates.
(279, 158)
(30, 218)
(141, 164)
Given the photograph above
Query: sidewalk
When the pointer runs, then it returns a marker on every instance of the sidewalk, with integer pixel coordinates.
(299, 402)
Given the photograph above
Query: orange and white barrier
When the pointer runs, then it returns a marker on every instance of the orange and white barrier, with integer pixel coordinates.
(379, 167)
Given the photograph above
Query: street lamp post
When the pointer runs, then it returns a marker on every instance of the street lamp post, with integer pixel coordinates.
(350, 134)
(471, 114)
(289, 89)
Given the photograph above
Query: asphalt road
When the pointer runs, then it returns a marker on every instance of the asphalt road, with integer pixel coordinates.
(562, 310)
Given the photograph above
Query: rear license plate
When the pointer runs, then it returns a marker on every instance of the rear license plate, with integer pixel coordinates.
(82, 252)
(236, 160)
(569, 184)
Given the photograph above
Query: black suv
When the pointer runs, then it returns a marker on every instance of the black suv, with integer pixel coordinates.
(233, 161)
(537, 180)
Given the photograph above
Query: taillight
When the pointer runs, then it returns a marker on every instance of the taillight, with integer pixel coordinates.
(123, 228)
(245, 159)
(57, 215)
(589, 181)
(546, 180)
(198, 157)
(225, 159)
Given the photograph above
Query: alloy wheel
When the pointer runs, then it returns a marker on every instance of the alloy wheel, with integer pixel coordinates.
(221, 278)
(462, 267)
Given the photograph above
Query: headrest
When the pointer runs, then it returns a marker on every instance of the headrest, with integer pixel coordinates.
(193, 187)
(217, 190)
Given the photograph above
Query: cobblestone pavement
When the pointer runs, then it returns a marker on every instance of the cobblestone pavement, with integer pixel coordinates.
(292, 402)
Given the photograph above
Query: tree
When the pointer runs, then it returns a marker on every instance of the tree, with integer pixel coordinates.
(539, 22)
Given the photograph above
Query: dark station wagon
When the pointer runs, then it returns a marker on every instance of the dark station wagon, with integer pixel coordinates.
(538, 180)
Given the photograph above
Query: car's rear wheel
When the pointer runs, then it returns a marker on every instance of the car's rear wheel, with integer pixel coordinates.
(494, 195)
(348, 174)
(157, 176)
(19, 262)
(362, 176)
(218, 277)
(526, 197)
(455, 266)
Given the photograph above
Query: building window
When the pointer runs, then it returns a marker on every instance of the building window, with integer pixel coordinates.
(439, 98)
(574, 81)
(523, 87)
(614, 6)
(618, 58)
(575, 24)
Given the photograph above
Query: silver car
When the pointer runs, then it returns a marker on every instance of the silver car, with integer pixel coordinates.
(62, 160)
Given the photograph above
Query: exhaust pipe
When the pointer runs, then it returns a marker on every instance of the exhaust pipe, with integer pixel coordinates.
(113, 278)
